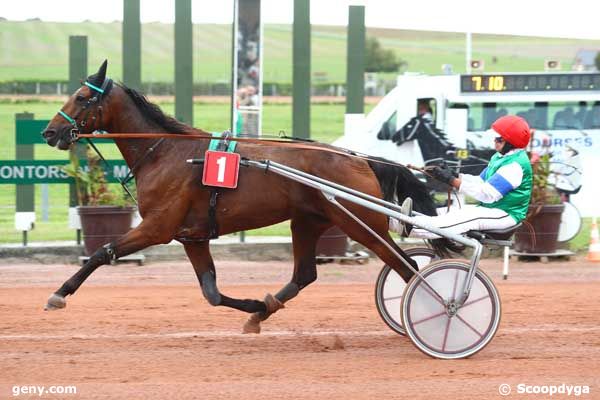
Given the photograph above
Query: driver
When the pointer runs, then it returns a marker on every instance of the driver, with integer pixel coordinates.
(424, 110)
(503, 188)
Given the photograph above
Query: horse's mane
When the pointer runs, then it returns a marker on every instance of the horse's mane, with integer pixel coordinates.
(153, 113)
(405, 133)
(428, 125)
(439, 132)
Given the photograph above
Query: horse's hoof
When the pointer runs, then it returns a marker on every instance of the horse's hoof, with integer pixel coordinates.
(273, 304)
(251, 327)
(55, 302)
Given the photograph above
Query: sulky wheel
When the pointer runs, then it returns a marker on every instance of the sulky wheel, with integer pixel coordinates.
(390, 286)
(441, 328)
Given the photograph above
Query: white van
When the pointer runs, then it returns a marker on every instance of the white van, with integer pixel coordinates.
(563, 108)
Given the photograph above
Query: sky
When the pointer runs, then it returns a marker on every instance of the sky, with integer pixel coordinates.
(569, 19)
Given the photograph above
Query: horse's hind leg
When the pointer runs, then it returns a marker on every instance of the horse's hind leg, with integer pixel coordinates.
(199, 255)
(305, 234)
(386, 255)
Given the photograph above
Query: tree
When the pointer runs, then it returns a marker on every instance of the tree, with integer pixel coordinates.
(380, 59)
(597, 61)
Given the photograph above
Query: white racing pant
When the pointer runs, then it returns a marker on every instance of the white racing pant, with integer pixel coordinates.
(459, 220)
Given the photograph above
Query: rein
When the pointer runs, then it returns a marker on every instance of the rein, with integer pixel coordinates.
(284, 141)
(130, 175)
(451, 190)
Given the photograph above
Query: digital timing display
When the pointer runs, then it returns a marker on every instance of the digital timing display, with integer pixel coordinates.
(528, 82)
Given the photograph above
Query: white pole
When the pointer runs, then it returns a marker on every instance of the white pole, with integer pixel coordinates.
(261, 60)
(234, 69)
(45, 202)
(505, 266)
(468, 52)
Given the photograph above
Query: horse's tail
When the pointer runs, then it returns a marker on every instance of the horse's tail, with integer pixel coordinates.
(397, 183)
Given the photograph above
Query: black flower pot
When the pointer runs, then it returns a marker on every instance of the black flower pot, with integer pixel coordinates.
(103, 224)
(542, 236)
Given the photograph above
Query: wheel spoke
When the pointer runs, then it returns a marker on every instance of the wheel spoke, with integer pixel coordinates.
(469, 325)
(468, 303)
(429, 318)
(446, 334)
(392, 298)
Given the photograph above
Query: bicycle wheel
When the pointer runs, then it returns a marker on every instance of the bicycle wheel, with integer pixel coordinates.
(389, 288)
(438, 326)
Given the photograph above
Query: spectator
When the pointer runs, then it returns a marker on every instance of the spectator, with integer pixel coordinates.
(581, 114)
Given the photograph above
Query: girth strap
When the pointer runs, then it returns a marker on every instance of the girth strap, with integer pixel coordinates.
(213, 225)
(222, 145)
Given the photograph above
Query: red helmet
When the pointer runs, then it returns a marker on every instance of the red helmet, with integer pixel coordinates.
(514, 130)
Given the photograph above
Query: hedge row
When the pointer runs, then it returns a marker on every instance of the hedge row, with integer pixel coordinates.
(168, 88)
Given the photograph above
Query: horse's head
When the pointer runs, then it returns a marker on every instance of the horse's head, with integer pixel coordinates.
(82, 113)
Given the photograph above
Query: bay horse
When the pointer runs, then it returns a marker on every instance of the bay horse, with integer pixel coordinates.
(174, 204)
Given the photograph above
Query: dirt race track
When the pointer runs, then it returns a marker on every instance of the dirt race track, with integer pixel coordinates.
(146, 332)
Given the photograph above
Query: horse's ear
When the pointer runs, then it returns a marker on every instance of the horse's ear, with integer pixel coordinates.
(98, 78)
(101, 74)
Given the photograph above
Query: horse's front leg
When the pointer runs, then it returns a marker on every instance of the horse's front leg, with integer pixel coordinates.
(147, 234)
(199, 255)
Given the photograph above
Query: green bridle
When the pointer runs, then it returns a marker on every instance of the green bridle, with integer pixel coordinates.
(93, 100)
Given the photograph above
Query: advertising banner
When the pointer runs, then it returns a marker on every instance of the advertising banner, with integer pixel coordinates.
(50, 171)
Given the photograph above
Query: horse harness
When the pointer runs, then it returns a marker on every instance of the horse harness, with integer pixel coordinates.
(223, 143)
(226, 144)
(96, 99)
(99, 92)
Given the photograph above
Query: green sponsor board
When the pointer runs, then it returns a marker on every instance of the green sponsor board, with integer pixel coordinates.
(29, 131)
(50, 171)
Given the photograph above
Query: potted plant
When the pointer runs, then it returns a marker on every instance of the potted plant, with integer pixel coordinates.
(105, 215)
(539, 233)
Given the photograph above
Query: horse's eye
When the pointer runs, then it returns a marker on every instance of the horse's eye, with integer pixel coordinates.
(80, 98)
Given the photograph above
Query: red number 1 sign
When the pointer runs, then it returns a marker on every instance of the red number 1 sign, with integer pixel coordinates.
(221, 169)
